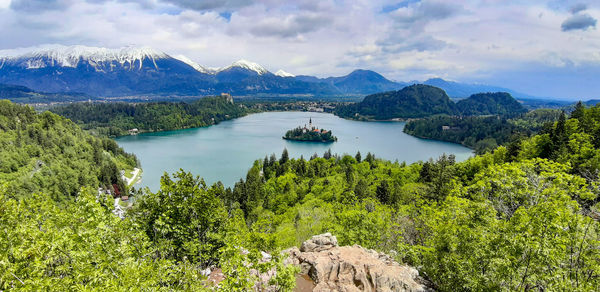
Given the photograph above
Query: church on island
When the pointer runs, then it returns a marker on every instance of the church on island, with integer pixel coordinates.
(310, 134)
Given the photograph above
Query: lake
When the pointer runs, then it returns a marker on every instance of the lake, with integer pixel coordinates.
(226, 151)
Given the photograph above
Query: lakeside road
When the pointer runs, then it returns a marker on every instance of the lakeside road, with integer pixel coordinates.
(134, 178)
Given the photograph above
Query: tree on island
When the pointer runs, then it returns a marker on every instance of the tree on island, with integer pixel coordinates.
(310, 133)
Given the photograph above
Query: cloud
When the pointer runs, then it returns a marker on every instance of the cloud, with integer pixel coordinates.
(413, 43)
(578, 8)
(407, 40)
(578, 21)
(291, 26)
(34, 6)
(424, 11)
(204, 5)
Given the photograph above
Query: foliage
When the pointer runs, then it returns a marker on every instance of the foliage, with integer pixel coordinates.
(520, 217)
(498, 103)
(419, 101)
(115, 119)
(479, 133)
(314, 135)
(81, 246)
(22, 94)
(410, 102)
(184, 219)
(511, 219)
(482, 133)
(47, 153)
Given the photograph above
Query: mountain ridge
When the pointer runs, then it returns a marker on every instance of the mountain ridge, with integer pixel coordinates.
(131, 71)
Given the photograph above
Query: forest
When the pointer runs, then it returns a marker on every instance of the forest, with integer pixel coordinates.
(115, 119)
(421, 101)
(483, 133)
(520, 217)
(48, 153)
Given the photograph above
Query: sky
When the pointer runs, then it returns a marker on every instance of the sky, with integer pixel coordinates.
(543, 48)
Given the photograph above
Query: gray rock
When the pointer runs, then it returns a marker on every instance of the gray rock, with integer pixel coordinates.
(352, 268)
(319, 243)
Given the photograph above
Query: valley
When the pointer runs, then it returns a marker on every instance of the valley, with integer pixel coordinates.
(142, 171)
(224, 152)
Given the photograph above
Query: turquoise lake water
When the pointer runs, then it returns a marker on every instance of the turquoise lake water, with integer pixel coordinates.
(226, 151)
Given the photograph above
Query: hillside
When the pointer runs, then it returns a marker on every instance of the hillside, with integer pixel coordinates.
(419, 100)
(22, 94)
(483, 133)
(592, 102)
(116, 119)
(499, 103)
(48, 153)
(523, 212)
(413, 101)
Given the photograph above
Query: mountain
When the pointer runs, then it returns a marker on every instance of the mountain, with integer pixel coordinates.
(135, 71)
(420, 100)
(194, 65)
(462, 90)
(357, 82)
(592, 102)
(22, 94)
(240, 71)
(360, 81)
(498, 103)
(282, 73)
(413, 101)
(103, 72)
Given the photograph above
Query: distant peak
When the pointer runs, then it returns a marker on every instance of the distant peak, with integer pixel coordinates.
(70, 56)
(363, 72)
(247, 65)
(194, 65)
(282, 73)
(82, 51)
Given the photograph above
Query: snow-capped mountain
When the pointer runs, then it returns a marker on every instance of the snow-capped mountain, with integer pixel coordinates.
(146, 71)
(102, 71)
(100, 59)
(243, 64)
(195, 65)
(282, 73)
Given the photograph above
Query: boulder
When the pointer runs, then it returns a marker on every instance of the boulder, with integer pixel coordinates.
(352, 268)
(319, 243)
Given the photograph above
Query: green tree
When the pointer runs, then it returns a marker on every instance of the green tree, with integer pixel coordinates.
(358, 157)
(383, 192)
(184, 219)
(284, 156)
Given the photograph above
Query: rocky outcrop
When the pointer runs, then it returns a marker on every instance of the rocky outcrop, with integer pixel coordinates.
(352, 268)
(319, 243)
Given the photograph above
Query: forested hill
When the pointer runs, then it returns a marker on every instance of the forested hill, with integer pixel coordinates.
(498, 103)
(519, 218)
(115, 119)
(48, 153)
(410, 102)
(482, 133)
(22, 94)
(418, 101)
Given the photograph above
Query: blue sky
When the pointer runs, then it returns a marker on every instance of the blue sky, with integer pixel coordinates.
(543, 48)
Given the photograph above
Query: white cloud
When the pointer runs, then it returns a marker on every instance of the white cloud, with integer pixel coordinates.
(466, 40)
(4, 4)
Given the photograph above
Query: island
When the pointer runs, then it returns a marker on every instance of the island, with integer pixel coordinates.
(310, 134)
